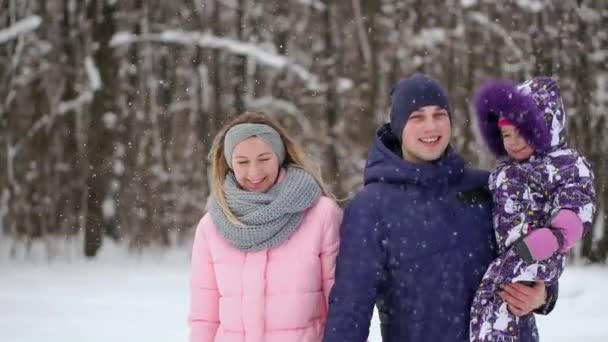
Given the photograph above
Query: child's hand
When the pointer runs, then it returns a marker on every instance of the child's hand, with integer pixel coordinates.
(522, 299)
(569, 226)
(538, 245)
(566, 229)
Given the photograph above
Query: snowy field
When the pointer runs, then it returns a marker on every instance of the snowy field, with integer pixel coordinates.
(129, 298)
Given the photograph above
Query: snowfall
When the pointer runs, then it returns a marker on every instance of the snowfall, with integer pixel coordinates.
(122, 296)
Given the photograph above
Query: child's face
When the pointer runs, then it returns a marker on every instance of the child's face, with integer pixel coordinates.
(517, 147)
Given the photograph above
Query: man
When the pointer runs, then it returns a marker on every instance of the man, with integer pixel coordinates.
(418, 238)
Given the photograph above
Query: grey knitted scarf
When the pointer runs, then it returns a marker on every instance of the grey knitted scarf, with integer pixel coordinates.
(266, 219)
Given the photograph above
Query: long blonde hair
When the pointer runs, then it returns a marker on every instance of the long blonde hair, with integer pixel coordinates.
(294, 156)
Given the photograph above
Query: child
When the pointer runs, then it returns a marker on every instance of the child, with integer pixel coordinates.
(543, 194)
(264, 255)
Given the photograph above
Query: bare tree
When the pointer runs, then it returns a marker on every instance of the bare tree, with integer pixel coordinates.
(100, 141)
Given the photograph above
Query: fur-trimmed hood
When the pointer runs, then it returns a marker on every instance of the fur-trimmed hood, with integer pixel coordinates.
(534, 106)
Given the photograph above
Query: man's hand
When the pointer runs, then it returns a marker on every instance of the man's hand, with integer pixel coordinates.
(522, 299)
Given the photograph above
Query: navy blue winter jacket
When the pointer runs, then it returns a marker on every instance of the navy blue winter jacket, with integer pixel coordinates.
(416, 242)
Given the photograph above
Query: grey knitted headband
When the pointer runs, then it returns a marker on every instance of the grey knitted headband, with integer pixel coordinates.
(240, 132)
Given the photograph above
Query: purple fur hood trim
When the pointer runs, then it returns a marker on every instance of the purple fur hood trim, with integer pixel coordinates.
(497, 99)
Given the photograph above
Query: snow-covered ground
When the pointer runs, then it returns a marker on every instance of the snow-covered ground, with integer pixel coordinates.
(127, 298)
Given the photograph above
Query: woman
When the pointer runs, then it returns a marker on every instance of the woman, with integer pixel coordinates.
(264, 255)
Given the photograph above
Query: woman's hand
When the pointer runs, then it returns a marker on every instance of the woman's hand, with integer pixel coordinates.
(522, 299)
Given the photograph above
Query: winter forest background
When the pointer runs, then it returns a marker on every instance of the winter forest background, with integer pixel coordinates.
(108, 108)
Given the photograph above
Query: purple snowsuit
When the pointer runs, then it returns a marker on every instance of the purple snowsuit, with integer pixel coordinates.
(526, 195)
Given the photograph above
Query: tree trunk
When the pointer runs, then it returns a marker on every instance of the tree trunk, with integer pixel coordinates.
(579, 124)
(216, 118)
(99, 145)
(240, 68)
(332, 174)
(369, 114)
(73, 147)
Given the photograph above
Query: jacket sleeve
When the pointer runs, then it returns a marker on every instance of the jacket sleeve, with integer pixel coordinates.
(552, 292)
(359, 268)
(574, 189)
(508, 183)
(204, 296)
(329, 248)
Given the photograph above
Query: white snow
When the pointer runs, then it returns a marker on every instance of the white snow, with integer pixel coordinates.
(588, 15)
(122, 297)
(118, 167)
(108, 208)
(582, 309)
(344, 85)
(205, 39)
(429, 37)
(122, 38)
(316, 4)
(110, 120)
(467, 3)
(92, 73)
(533, 6)
(21, 27)
(76, 104)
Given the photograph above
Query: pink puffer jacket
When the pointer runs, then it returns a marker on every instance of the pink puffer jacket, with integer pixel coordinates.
(275, 295)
